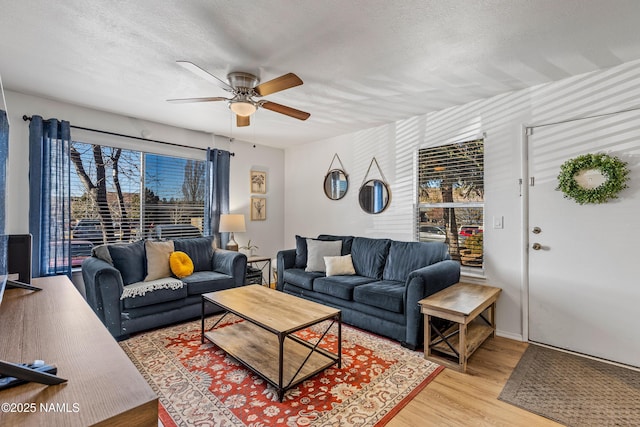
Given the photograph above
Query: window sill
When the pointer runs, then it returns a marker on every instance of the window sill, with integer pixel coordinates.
(472, 275)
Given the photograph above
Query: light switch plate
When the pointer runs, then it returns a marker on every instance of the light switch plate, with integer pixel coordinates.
(498, 222)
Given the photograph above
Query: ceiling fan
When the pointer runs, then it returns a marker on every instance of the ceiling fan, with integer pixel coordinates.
(245, 87)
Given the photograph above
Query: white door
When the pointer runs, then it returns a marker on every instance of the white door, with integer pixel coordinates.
(584, 281)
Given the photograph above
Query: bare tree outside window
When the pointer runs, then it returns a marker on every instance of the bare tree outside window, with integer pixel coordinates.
(451, 198)
(106, 188)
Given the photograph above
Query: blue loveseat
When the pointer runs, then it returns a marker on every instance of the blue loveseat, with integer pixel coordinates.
(131, 288)
(382, 296)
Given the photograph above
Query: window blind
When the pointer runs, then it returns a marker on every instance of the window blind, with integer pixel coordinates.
(126, 195)
(451, 199)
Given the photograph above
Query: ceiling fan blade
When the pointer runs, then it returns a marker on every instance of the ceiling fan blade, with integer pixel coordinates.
(187, 100)
(204, 74)
(242, 121)
(276, 85)
(283, 109)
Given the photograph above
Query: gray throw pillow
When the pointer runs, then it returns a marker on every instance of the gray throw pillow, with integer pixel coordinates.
(130, 260)
(317, 250)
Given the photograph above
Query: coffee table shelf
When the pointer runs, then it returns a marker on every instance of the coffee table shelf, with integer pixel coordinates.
(265, 341)
(258, 350)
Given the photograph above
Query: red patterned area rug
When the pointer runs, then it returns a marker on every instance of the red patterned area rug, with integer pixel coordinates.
(198, 384)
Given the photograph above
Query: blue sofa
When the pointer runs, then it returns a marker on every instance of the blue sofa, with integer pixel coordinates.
(120, 290)
(382, 296)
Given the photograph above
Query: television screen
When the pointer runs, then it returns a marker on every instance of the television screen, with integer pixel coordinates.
(19, 257)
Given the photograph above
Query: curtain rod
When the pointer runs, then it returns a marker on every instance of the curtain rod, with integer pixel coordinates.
(27, 118)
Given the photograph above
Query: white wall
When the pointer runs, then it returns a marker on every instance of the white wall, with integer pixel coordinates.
(308, 212)
(268, 235)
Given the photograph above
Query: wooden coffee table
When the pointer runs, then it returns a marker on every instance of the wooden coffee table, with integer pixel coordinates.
(265, 342)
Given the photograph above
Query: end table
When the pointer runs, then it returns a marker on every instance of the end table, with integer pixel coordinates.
(262, 264)
(464, 304)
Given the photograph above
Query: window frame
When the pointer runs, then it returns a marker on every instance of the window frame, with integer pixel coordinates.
(422, 206)
(140, 155)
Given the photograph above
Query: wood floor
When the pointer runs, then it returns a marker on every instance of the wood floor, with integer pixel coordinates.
(471, 399)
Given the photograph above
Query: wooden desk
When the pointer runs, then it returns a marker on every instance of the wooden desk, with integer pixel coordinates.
(57, 326)
(464, 304)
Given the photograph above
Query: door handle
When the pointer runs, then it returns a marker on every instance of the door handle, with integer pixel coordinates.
(536, 246)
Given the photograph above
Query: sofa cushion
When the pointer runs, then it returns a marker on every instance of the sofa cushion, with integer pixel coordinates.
(142, 294)
(339, 265)
(339, 286)
(301, 252)
(130, 261)
(385, 294)
(369, 256)
(347, 241)
(199, 249)
(207, 281)
(158, 259)
(404, 257)
(300, 278)
(317, 250)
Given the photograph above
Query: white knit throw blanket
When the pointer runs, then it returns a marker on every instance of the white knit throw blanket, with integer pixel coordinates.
(141, 288)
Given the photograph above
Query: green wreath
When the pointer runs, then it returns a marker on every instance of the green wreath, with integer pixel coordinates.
(613, 169)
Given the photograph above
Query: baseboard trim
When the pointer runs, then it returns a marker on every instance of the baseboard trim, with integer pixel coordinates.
(510, 335)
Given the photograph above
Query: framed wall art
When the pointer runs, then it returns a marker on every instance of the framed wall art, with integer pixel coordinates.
(258, 182)
(258, 208)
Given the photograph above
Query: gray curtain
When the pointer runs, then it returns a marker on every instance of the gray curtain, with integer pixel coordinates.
(217, 193)
(49, 199)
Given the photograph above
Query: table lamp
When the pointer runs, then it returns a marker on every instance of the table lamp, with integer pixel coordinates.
(230, 223)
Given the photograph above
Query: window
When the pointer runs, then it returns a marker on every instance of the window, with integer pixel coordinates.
(127, 195)
(451, 199)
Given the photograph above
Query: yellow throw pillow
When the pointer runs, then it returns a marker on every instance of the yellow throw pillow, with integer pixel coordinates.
(181, 264)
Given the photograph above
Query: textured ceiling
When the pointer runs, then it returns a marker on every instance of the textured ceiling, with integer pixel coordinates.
(363, 63)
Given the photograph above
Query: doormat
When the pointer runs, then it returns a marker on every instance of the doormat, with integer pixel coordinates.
(574, 390)
(198, 384)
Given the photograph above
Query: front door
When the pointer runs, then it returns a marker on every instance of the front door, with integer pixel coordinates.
(584, 278)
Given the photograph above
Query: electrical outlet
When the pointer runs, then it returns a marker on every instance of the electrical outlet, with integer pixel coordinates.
(498, 222)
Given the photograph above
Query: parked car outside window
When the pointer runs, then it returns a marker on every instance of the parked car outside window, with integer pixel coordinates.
(467, 231)
(80, 249)
(88, 229)
(432, 233)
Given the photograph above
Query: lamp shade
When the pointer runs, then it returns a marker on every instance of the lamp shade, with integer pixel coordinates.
(232, 223)
(242, 108)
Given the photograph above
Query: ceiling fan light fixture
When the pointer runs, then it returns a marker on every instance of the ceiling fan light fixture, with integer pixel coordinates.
(243, 108)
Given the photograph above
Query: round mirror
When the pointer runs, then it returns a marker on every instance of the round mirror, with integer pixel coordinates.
(374, 196)
(336, 184)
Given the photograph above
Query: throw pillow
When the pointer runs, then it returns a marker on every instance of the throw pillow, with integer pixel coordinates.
(158, 259)
(301, 252)
(102, 252)
(317, 250)
(199, 249)
(129, 260)
(339, 265)
(181, 264)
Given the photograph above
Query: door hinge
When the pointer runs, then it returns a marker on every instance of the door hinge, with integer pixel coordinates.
(532, 181)
(529, 131)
